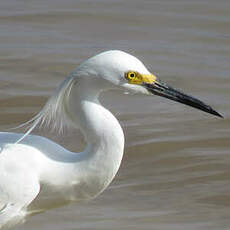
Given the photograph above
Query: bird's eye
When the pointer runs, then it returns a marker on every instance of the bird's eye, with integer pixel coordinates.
(130, 75)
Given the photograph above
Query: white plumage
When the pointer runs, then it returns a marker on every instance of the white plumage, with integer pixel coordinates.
(37, 174)
(36, 167)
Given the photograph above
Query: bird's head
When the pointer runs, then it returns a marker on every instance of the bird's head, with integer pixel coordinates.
(108, 70)
(117, 69)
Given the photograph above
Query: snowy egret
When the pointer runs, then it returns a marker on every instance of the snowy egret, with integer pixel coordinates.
(37, 174)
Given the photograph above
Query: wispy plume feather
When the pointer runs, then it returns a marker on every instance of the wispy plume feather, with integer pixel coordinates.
(55, 112)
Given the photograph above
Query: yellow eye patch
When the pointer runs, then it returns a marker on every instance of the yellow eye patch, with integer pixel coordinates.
(134, 77)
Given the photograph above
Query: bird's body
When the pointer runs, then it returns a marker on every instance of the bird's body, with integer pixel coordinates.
(37, 165)
(37, 174)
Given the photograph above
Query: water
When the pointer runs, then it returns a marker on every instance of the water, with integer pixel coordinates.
(175, 172)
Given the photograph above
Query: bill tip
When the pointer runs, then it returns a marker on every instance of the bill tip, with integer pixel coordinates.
(217, 114)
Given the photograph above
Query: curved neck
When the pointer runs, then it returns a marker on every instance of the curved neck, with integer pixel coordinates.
(100, 128)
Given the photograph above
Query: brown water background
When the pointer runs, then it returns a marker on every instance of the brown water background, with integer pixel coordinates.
(176, 170)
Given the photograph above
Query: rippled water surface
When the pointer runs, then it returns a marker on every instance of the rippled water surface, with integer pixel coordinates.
(176, 169)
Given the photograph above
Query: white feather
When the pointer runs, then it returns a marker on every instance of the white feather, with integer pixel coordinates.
(55, 112)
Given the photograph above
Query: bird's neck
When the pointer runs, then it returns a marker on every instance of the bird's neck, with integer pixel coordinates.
(102, 131)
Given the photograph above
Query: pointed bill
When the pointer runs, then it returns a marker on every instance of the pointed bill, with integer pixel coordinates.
(162, 89)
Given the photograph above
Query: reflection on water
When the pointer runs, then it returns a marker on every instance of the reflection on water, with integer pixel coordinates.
(175, 173)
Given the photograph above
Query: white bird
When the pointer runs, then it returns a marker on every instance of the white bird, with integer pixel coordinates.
(37, 174)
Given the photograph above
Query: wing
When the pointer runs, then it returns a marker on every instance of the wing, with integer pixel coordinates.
(18, 188)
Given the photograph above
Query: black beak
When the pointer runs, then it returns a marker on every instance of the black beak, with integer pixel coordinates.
(162, 89)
